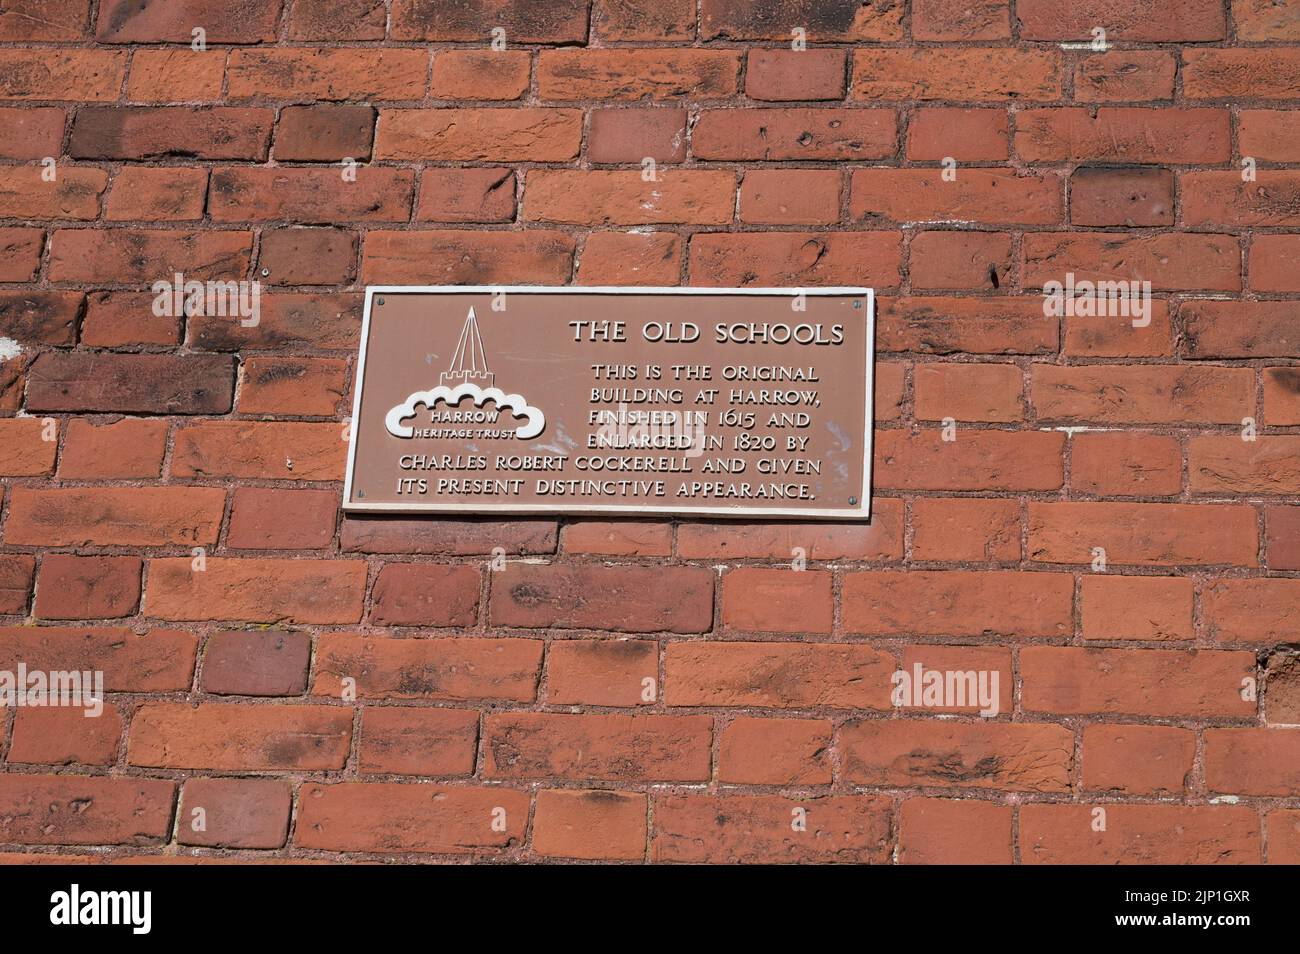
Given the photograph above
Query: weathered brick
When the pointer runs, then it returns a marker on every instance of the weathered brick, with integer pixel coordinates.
(795, 259)
(1154, 20)
(256, 591)
(227, 737)
(563, 21)
(224, 21)
(1127, 197)
(16, 575)
(146, 194)
(377, 534)
(256, 663)
(1140, 834)
(626, 599)
(422, 594)
(976, 460)
(776, 675)
(1143, 534)
(26, 447)
(991, 196)
(609, 197)
(631, 74)
(74, 194)
(397, 740)
(604, 672)
(87, 587)
(972, 325)
(157, 660)
(1136, 607)
(525, 134)
(1253, 761)
(266, 518)
(442, 669)
(460, 256)
(634, 20)
(763, 751)
(310, 195)
(115, 516)
(126, 448)
(1169, 261)
(324, 133)
(824, 20)
(236, 812)
(62, 74)
(1239, 329)
(591, 825)
(131, 383)
(1138, 759)
(308, 256)
(1124, 76)
(364, 73)
(176, 76)
(969, 392)
(480, 74)
(791, 133)
(163, 132)
(1124, 134)
(965, 74)
(1134, 394)
(953, 831)
(1251, 610)
(84, 810)
(284, 450)
(790, 197)
(148, 255)
(66, 736)
(790, 75)
(958, 529)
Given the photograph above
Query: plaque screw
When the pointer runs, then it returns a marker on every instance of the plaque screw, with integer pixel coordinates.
(379, 301)
(361, 494)
(857, 305)
(853, 501)
(265, 272)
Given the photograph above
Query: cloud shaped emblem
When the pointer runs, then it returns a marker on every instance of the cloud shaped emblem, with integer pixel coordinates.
(516, 403)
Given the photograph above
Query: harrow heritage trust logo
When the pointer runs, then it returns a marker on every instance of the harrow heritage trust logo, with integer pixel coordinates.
(468, 376)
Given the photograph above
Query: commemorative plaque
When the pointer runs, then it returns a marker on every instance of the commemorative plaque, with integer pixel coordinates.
(691, 401)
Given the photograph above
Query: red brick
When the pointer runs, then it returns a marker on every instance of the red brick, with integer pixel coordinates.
(115, 516)
(142, 255)
(776, 675)
(65, 736)
(256, 591)
(967, 135)
(284, 450)
(608, 747)
(945, 831)
(881, 539)
(256, 663)
(236, 812)
(67, 75)
(633, 74)
(21, 254)
(562, 21)
(1137, 607)
(1253, 761)
(759, 20)
(525, 134)
(619, 537)
(790, 133)
(1239, 329)
(1020, 757)
(16, 575)
(396, 740)
(225, 21)
(157, 195)
(1155, 20)
(1169, 261)
(1268, 135)
(74, 194)
(969, 392)
(610, 197)
(466, 195)
(125, 319)
(369, 73)
(958, 663)
(976, 460)
(1124, 76)
(158, 132)
(1138, 759)
(633, 20)
(978, 260)
(176, 76)
(480, 74)
(1124, 134)
(1246, 73)
(1284, 837)
(84, 810)
(963, 74)
(131, 383)
(993, 196)
(360, 816)
(471, 537)
(1143, 534)
(1229, 465)
(961, 20)
(324, 133)
(971, 325)
(1107, 336)
(87, 587)
(1282, 536)
(443, 669)
(331, 322)
(460, 256)
(307, 256)
(126, 448)
(795, 259)
(1262, 20)
(764, 751)
(24, 451)
(310, 195)
(1272, 258)
(1147, 394)
(960, 529)
(158, 660)
(957, 603)
(1128, 197)
(44, 20)
(1140, 834)
(228, 737)
(628, 599)
(1251, 611)
(1221, 198)
(790, 197)
(698, 828)
(756, 599)
(591, 825)
(1070, 680)
(602, 672)
(264, 518)
(421, 594)
(632, 135)
(34, 132)
(791, 75)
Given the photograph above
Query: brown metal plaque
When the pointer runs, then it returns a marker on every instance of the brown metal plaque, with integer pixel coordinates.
(718, 402)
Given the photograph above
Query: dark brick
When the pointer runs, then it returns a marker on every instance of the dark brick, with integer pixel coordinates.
(37, 317)
(309, 256)
(87, 587)
(525, 21)
(416, 594)
(170, 132)
(324, 133)
(131, 383)
(258, 663)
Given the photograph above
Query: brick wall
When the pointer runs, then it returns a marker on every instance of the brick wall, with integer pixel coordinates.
(661, 690)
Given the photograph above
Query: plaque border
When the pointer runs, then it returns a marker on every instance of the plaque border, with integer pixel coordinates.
(858, 513)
